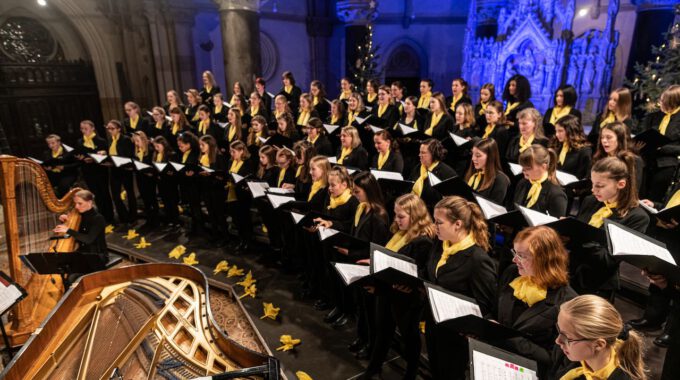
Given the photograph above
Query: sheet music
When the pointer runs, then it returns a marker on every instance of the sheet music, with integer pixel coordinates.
(67, 148)
(278, 200)
(168, 118)
(489, 208)
(458, 140)
(280, 190)
(328, 101)
(445, 306)
(406, 130)
(227, 104)
(257, 188)
(351, 171)
(565, 178)
(37, 161)
(434, 180)
(487, 367)
(361, 120)
(160, 166)
(98, 157)
(383, 261)
(352, 272)
(387, 175)
(330, 128)
(516, 169)
(263, 140)
(237, 178)
(333, 160)
(207, 169)
(297, 217)
(375, 129)
(536, 218)
(325, 233)
(8, 296)
(120, 161)
(177, 166)
(626, 243)
(222, 125)
(140, 165)
(651, 210)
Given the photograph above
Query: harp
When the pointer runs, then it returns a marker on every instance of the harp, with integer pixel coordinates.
(148, 321)
(31, 210)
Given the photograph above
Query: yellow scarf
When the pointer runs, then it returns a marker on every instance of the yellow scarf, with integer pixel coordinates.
(535, 190)
(288, 89)
(345, 152)
(510, 107)
(313, 141)
(303, 118)
(88, 141)
(278, 113)
(398, 241)
(232, 132)
(667, 119)
(527, 291)
(482, 110)
(315, 100)
(140, 154)
(282, 175)
(334, 119)
(450, 249)
(523, 145)
(475, 179)
(433, 122)
(381, 109)
(134, 121)
(563, 152)
(424, 101)
(257, 138)
(58, 153)
(371, 97)
(185, 156)
(382, 158)
(674, 201)
(597, 220)
(559, 112)
(350, 117)
(235, 167)
(203, 126)
(340, 199)
(601, 374)
(611, 117)
(113, 149)
(196, 117)
(254, 110)
(159, 157)
(489, 129)
(316, 186)
(205, 160)
(298, 171)
(159, 125)
(420, 182)
(218, 108)
(345, 95)
(359, 213)
(208, 89)
(454, 101)
(175, 129)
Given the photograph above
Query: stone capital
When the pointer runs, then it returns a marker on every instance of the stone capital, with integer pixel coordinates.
(357, 11)
(238, 5)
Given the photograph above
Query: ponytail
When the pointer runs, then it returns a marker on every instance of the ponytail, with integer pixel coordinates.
(629, 352)
(478, 226)
(552, 167)
(538, 154)
(470, 214)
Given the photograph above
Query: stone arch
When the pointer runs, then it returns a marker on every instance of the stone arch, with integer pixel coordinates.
(405, 61)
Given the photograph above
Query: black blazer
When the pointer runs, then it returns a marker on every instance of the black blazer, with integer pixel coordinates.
(369, 103)
(512, 151)
(154, 131)
(594, 135)
(289, 177)
(512, 115)
(293, 97)
(576, 162)
(212, 130)
(388, 119)
(191, 112)
(261, 111)
(343, 216)
(419, 250)
(498, 189)
(207, 96)
(322, 108)
(271, 176)
(142, 125)
(91, 235)
(552, 199)
(371, 228)
(267, 100)
(666, 155)
(125, 147)
(323, 146)
(442, 129)
(429, 195)
(65, 159)
(358, 158)
(318, 203)
(501, 134)
(394, 162)
(537, 322)
(548, 128)
(451, 108)
(470, 272)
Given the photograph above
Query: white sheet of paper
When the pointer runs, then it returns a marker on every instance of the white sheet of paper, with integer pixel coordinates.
(458, 140)
(490, 209)
(227, 104)
(37, 161)
(263, 140)
(445, 306)
(351, 171)
(278, 200)
(98, 157)
(120, 161)
(626, 243)
(325, 233)
(177, 166)
(168, 118)
(369, 108)
(8, 296)
(406, 130)
(652, 210)
(382, 261)
(434, 180)
(257, 188)
(270, 94)
(375, 129)
(330, 128)
(536, 218)
(352, 272)
(223, 125)
(149, 113)
(207, 169)
(280, 190)
(361, 120)
(333, 160)
(565, 178)
(160, 165)
(328, 101)
(67, 148)
(140, 165)
(297, 217)
(516, 169)
(237, 178)
(387, 175)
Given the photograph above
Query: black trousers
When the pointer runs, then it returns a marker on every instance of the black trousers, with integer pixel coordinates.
(97, 181)
(169, 192)
(147, 190)
(214, 198)
(123, 179)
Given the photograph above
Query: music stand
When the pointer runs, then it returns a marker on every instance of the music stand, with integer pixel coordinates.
(10, 294)
(63, 264)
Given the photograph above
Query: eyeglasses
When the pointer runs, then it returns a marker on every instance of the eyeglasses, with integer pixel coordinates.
(563, 338)
(519, 257)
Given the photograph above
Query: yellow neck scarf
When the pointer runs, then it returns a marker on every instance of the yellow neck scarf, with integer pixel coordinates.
(381, 109)
(510, 107)
(315, 100)
(611, 117)
(340, 199)
(313, 140)
(603, 213)
(208, 89)
(159, 125)
(196, 117)
(232, 132)
(134, 121)
(58, 153)
(667, 119)
(433, 122)
(257, 138)
(254, 110)
(235, 166)
(455, 100)
(535, 190)
(282, 175)
(420, 182)
(371, 97)
(450, 249)
(475, 179)
(218, 108)
(203, 126)
(359, 213)
(527, 291)
(159, 157)
(140, 154)
(398, 241)
(113, 149)
(345, 95)
(424, 101)
(303, 118)
(278, 113)
(288, 89)
(563, 152)
(205, 160)
(185, 156)
(175, 129)
(334, 119)
(298, 171)
(674, 201)
(482, 110)
(231, 192)
(316, 186)
(559, 112)
(350, 117)
(601, 374)
(488, 130)
(88, 141)
(382, 158)
(523, 145)
(345, 152)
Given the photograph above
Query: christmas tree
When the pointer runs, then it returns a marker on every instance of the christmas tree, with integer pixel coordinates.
(656, 75)
(366, 66)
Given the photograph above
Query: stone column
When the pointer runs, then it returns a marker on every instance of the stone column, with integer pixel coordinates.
(240, 25)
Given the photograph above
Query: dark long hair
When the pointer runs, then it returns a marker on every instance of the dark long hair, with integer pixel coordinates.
(522, 89)
(374, 195)
(493, 163)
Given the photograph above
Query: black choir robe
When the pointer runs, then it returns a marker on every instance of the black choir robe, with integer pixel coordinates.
(512, 151)
(293, 97)
(576, 162)
(357, 159)
(207, 96)
(451, 107)
(594, 135)
(498, 189)
(142, 125)
(443, 127)
(394, 162)
(388, 119)
(322, 108)
(552, 198)
(549, 128)
(429, 195)
(323, 146)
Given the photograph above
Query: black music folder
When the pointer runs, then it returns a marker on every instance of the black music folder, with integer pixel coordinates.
(652, 138)
(387, 268)
(667, 214)
(489, 362)
(307, 220)
(452, 186)
(396, 186)
(63, 263)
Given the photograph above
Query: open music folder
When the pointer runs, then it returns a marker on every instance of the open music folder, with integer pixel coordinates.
(488, 362)
(10, 293)
(666, 214)
(452, 186)
(386, 268)
(573, 228)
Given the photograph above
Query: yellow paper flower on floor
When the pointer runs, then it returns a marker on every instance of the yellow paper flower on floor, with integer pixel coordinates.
(303, 375)
(131, 234)
(250, 291)
(247, 281)
(108, 229)
(422, 327)
(234, 271)
(123, 195)
(177, 252)
(142, 244)
(288, 343)
(270, 311)
(222, 266)
(191, 259)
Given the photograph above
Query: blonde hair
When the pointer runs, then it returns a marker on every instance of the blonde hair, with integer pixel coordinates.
(468, 114)
(594, 318)
(343, 176)
(624, 106)
(211, 78)
(354, 134)
(538, 154)
(469, 213)
(322, 163)
(421, 222)
(533, 114)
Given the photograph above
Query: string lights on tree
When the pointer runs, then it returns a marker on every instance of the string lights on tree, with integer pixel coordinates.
(366, 67)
